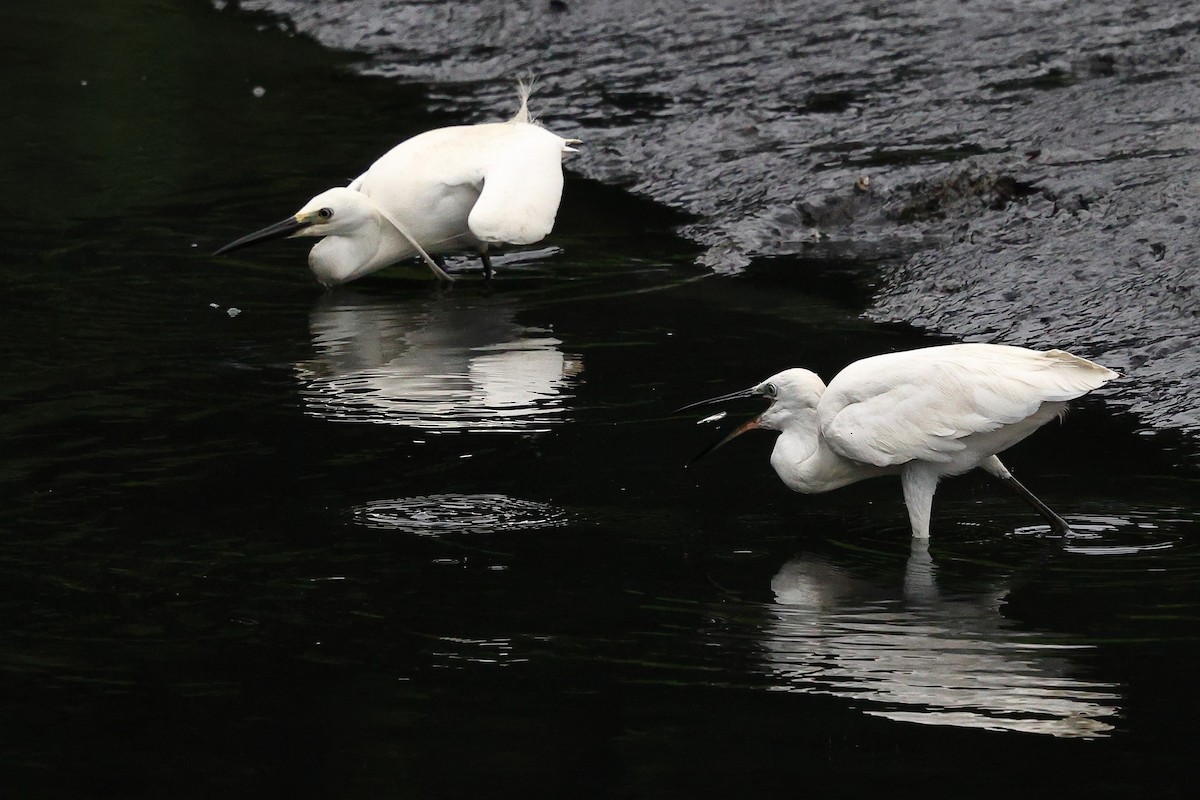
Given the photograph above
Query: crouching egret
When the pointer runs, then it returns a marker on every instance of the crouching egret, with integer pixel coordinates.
(922, 414)
(459, 189)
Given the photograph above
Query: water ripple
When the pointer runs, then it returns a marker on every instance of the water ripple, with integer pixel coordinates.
(476, 514)
(1132, 533)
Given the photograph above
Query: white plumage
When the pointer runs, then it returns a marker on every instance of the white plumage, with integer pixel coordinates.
(466, 188)
(922, 414)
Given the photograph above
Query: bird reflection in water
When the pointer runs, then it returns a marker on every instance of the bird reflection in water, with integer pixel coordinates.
(440, 364)
(926, 658)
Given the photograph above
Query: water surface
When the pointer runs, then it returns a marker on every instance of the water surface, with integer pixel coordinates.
(399, 540)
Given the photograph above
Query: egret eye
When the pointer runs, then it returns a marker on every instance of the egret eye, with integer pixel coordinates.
(325, 213)
(770, 391)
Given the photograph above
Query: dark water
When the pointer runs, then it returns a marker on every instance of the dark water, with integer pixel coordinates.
(393, 540)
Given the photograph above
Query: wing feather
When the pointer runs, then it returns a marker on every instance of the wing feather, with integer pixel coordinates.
(923, 404)
(522, 187)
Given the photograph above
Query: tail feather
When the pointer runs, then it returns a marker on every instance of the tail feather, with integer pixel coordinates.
(1096, 374)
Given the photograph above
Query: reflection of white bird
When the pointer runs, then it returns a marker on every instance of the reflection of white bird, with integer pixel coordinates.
(463, 188)
(922, 414)
(440, 364)
(932, 660)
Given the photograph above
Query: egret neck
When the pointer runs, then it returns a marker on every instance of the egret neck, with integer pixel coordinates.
(337, 258)
(805, 463)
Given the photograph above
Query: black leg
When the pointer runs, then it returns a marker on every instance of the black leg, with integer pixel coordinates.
(1057, 523)
(487, 265)
(440, 260)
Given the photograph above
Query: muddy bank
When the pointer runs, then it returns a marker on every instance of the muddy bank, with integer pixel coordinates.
(1032, 166)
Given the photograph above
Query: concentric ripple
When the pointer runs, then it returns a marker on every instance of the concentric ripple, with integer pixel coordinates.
(441, 514)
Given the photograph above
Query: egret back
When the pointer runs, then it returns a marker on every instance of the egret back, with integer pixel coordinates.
(949, 404)
(428, 185)
(456, 188)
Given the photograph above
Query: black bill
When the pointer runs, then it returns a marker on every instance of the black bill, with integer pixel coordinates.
(279, 230)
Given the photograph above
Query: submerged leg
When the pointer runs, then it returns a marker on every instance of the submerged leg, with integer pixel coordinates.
(487, 264)
(920, 584)
(919, 482)
(1057, 523)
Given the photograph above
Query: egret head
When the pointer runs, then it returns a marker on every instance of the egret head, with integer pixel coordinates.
(332, 212)
(335, 212)
(790, 393)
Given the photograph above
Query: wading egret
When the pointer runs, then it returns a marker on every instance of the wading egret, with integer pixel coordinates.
(922, 414)
(460, 189)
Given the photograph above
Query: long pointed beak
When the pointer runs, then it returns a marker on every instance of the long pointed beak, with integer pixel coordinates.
(741, 395)
(748, 425)
(279, 230)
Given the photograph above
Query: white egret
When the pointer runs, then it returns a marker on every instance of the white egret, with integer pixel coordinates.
(464, 188)
(923, 414)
